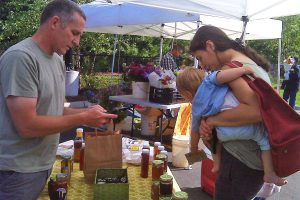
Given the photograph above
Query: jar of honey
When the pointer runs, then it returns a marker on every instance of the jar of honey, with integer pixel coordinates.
(163, 158)
(155, 190)
(166, 185)
(157, 169)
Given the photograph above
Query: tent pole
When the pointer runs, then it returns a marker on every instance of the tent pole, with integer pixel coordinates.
(245, 20)
(278, 67)
(174, 35)
(196, 62)
(161, 43)
(114, 54)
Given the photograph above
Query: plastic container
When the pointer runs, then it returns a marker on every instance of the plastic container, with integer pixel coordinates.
(208, 178)
(180, 146)
(72, 83)
(140, 90)
(148, 125)
(78, 144)
(145, 163)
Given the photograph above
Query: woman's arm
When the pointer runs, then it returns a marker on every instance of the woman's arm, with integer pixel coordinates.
(246, 113)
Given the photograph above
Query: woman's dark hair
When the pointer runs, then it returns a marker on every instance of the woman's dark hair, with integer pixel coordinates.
(223, 42)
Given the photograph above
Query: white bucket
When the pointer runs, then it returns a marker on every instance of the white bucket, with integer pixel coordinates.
(140, 90)
(148, 125)
(72, 83)
(180, 146)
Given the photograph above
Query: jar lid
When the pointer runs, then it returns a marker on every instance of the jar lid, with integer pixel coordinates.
(146, 146)
(145, 151)
(165, 198)
(160, 156)
(180, 195)
(60, 176)
(166, 177)
(157, 162)
(79, 130)
(157, 143)
(161, 148)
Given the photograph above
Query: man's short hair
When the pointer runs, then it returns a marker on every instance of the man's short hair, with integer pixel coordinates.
(296, 59)
(177, 47)
(65, 9)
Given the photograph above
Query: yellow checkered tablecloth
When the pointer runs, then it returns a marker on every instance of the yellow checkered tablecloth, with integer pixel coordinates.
(139, 188)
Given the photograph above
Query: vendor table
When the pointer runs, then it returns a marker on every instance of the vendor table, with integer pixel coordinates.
(139, 188)
(129, 99)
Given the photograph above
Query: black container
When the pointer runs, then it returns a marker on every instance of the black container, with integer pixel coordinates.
(163, 95)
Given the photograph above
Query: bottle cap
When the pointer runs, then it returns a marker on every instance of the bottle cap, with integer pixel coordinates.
(161, 148)
(157, 143)
(79, 130)
(145, 151)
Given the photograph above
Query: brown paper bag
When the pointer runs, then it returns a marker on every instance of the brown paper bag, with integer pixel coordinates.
(102, 150)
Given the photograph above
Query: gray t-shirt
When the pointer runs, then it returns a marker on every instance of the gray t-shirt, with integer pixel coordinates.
(26, 71)
(248, 151)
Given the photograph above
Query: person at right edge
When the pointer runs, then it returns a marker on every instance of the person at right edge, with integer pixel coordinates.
(241, 173)
(292, 84)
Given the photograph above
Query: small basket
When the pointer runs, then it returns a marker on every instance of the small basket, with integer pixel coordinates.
(115, 188)
(164, 95)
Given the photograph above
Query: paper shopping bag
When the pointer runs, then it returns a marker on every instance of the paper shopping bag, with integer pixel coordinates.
(102, 150)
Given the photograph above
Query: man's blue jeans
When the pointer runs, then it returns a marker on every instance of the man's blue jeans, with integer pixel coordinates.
(22, 186)
(291, 96)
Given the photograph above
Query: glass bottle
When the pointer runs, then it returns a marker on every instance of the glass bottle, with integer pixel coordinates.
(61, 185)
(78, 144)
(180, 196)
(155, 190)
(166, 185)
(166, 160)
(145, 163)
(155, 151)
(163, 158)
(81, 163)
(157, 169)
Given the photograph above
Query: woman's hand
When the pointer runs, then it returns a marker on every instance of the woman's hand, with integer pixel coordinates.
(205, 129)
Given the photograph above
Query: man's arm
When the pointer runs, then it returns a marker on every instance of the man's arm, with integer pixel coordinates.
(71, 111)
(29, 124)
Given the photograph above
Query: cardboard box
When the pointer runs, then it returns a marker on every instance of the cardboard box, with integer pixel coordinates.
(111, 184)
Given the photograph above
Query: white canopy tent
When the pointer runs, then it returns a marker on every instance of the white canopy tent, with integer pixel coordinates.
(233, 9)
(254, 9)
(144, 17)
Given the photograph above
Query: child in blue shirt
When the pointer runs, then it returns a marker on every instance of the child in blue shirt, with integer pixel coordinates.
(210, 95)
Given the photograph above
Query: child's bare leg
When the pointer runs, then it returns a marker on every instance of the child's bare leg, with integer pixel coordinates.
(270, 175)
(217, 158)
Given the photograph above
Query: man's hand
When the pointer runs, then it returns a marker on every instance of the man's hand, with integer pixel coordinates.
(96, 116)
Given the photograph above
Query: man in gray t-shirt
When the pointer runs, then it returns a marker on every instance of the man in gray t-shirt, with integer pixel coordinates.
(32, 82)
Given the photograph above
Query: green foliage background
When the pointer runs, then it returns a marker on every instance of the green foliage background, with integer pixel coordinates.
(20, 19)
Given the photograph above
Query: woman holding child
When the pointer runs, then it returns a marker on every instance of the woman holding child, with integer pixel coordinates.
(243, 161)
